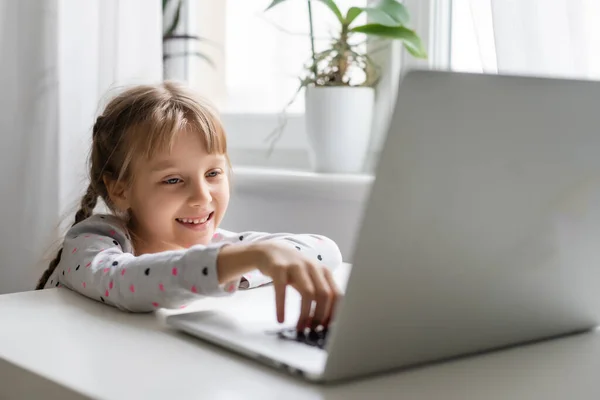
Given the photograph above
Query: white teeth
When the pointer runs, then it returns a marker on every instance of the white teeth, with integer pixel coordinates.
(193, 221)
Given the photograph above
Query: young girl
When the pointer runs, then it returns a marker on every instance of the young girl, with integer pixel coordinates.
(159, 162)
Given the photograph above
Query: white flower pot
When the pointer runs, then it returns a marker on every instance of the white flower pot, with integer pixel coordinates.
(338, 123)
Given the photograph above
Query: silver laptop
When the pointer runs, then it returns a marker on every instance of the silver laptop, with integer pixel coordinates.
(482, 231)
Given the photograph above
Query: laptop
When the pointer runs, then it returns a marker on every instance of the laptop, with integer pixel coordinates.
(481, 231)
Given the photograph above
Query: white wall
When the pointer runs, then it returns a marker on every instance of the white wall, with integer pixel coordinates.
(277, 201)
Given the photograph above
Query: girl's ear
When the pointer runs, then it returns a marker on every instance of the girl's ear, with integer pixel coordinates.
(117, 192)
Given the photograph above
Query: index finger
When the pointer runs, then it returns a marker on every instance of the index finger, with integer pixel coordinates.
(279, 284)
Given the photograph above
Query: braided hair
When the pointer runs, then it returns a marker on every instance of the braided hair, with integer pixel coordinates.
(88, 203)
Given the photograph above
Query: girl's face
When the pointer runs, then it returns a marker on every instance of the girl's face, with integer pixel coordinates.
(178, 198)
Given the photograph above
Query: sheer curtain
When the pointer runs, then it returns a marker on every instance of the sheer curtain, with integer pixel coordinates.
(553, 38)
(29, 126)
(59, 57)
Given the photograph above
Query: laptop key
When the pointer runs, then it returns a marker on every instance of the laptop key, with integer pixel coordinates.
(315, 338)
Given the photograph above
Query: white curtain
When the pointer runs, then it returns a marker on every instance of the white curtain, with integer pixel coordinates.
(59, 59)
(552, 38)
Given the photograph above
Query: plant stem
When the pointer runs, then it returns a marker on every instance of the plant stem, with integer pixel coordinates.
(312, 39)
(342, 59)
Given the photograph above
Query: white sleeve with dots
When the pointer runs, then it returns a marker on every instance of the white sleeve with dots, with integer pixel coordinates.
(323, 250)
(98, 262)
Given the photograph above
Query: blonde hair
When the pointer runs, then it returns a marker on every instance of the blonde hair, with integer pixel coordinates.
(140, 122)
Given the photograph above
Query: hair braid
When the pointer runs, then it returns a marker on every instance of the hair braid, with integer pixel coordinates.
(86, 209)
(49, 271)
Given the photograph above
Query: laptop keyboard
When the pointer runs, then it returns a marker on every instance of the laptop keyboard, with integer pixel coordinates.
(315, 338)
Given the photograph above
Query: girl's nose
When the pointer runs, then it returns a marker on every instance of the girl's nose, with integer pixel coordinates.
(200, 194)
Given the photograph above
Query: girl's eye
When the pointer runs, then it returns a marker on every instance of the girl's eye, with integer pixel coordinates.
(172, 181)
(213, 174)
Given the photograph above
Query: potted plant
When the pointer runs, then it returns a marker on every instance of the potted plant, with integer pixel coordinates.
(339, 106)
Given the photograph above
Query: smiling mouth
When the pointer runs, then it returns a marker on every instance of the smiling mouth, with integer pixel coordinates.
(195, 222)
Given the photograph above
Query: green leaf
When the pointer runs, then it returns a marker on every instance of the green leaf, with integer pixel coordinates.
(329, 3)
(175, 20)
(274, 3)
(375, 15)
(411, 41)
(396, 10)
(333, 7)
(352, 13)
(416, 49)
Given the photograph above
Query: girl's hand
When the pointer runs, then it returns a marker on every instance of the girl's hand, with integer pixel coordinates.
(287, 266)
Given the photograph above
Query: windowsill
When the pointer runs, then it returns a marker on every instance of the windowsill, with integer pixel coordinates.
(299, 183)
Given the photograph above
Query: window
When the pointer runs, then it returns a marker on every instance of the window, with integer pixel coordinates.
(258, 57)
(472, 37)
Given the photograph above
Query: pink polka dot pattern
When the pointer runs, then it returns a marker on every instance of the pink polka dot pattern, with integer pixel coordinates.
(110, 285)
(132, 288)
(183, 306)
(74, 250)
(88, 264)
(230, 288)
(161, 287)
(84, 285)
(112, 233)
(174, 271)
(155, 304)
(105, 270)
(106, 293)
(122, 272)
(194, 289)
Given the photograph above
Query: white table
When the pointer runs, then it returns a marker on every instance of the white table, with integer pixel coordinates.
(54, 344)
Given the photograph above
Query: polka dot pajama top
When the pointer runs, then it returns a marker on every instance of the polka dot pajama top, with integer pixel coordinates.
(98, 262)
